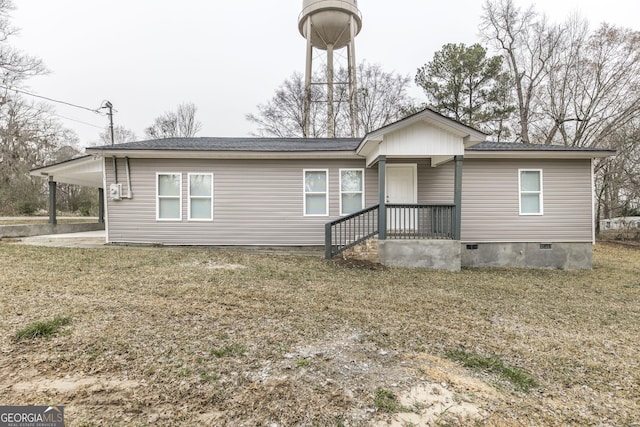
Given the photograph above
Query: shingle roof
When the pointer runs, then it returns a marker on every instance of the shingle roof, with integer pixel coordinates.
(256, 144)
(239, 144)
(516, 146)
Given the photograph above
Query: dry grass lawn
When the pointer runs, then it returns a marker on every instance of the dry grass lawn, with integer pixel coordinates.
(196, 336)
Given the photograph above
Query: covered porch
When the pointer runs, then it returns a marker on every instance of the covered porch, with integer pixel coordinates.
(417, 219)
(410, 231)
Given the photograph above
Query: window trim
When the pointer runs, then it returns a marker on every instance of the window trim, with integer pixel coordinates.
(190, 197)
(539, 193)
(362, 192)
(158, 197)
(305, 193)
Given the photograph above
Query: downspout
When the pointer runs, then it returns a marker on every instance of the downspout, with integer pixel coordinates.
(106, 201)
(115, 170)
(129, 193)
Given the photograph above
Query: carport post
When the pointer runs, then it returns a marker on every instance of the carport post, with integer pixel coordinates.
(52, 201)
(100, 205)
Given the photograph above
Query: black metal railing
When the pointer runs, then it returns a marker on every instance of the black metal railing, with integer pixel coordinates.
(348, 231)
(433, 221)
(404, 221)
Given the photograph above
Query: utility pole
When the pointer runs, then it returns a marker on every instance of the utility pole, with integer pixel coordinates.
(109, 106)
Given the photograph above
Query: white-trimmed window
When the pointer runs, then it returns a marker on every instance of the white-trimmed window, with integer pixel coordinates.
(316, 192)
(530, 182)
(351, 190)
(200, 196)
(168, 196)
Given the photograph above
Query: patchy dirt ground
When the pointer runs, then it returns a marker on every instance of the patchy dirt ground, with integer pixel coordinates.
(189, 337)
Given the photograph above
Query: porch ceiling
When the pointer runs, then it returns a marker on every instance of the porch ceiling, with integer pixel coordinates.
(86, 171)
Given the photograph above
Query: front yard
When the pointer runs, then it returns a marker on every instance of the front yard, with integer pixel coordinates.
(196, 336)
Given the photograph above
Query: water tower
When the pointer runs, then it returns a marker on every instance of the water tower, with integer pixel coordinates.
(330, 25)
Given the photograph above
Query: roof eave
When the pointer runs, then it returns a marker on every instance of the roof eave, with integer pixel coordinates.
(235, 154)
(538, 154)
(86, 171)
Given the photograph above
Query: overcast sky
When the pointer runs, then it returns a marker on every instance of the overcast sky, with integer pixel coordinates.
(148, 56)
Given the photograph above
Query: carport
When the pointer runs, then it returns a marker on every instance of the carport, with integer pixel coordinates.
(86, 171)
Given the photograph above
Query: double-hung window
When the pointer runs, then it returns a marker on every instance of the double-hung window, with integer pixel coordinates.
(200, 196)
(169, 196)
(316, 192)
(351, 190)
(531, 201)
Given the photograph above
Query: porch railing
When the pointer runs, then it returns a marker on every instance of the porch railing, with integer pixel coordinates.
(350, 230)
(434, 221)
(404, 221)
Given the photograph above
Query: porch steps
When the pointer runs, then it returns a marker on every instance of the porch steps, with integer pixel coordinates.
(365, 251)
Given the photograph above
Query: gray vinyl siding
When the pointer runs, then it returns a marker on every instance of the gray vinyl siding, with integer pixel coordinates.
(435, 185)
(260, 202)
(490, 202)
(255, 202)
(490, 199)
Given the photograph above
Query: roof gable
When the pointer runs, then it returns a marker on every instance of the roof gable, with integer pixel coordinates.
(424, 134)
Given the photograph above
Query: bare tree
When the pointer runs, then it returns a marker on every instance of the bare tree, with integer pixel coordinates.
(29, 137)
(182, 123)
(283, 115)
(186, 118)
(15, 66)
(528, 42)
(603, 87)
(617, 179)
(382, 98)
(120, 135)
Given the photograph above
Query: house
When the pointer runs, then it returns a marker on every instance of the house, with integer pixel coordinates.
(431, 190)
(627, 223)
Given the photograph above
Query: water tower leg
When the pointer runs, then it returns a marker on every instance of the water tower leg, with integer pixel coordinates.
(353, 81)
(307, 83)
(331, 129)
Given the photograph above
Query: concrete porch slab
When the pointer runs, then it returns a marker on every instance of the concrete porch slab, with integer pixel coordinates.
(430, 254)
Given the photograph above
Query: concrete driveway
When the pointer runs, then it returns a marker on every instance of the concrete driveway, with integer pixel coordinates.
(86, 239)
(97, 239)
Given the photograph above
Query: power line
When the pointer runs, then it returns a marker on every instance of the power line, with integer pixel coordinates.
(52, 100)
(77, 121)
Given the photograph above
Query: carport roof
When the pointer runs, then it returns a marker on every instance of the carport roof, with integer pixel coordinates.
(86, 171)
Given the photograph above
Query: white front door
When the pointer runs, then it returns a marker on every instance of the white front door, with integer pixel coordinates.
(401, 188)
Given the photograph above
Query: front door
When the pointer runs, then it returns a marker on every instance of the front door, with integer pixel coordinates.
(401, 188)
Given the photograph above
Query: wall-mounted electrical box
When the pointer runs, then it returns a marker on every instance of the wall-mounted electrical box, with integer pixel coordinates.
(115, 191)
